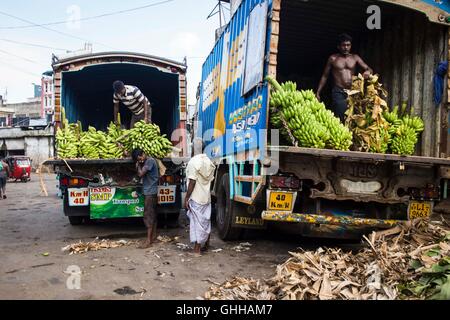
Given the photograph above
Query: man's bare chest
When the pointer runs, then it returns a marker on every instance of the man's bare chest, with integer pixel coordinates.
(345, 63)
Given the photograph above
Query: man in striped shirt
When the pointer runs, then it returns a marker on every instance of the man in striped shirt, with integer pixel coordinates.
(134, 99)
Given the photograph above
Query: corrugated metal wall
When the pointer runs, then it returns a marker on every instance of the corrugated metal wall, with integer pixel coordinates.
(405, 52)
(222, 106)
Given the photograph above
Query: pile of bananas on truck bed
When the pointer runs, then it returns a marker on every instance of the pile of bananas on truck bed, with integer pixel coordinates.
(369, 127)
(72, 142)
(305, 121)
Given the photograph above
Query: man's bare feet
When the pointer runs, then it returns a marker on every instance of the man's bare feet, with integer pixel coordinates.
(145, 245)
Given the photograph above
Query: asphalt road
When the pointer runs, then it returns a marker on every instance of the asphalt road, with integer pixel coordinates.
(33, 230)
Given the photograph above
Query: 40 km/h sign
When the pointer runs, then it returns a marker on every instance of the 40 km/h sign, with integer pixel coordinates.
(78, 197)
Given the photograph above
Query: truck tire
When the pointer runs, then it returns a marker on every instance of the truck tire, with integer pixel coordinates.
(224, 215)
(75, 220)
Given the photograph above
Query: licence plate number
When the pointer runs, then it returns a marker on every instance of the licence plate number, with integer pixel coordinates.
(419, 210)
(281, 201)
(166, 194)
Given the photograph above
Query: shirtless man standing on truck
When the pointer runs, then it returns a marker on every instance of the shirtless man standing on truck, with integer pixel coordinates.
(343, 67)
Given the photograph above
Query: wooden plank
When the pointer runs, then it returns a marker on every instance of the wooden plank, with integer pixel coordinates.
(276, 4)
(246, 200)
(440, 121)
(387, 71)
(274, 40)
(273, 70)
(377, 53)
(418, 60)
(273, 59)
(276, 15)
(243, 178)
(417, 65)
(429, 110)
(396, 53)
(275, 28)
(406, 63)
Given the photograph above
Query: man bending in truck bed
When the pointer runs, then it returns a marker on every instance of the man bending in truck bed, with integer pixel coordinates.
(134, 99)
(343, 67)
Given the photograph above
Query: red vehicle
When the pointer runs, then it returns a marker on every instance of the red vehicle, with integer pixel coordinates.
(19, 168)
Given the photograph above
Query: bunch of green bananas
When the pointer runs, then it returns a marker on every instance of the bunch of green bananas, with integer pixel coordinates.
(114, 131)
(340, 138)
(89, 144)
(404, 130)
(307, 130)
(308, 119)
(96, 144)
(148, 138)
(66, 143)
(404, 141)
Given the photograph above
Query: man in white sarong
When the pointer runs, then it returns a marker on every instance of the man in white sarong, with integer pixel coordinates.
(200, 173)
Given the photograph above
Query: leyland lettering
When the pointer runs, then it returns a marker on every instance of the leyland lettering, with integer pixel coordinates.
(249, 221)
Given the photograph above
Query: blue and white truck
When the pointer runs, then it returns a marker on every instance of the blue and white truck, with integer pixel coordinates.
(260, 183)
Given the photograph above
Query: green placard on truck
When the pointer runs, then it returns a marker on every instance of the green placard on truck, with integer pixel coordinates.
(111, 202)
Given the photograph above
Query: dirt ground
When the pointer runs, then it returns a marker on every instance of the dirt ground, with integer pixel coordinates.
(32, 225)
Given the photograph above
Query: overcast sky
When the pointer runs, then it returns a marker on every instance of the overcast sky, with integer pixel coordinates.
(173, 29)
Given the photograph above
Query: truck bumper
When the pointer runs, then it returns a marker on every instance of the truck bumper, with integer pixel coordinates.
(328, 220)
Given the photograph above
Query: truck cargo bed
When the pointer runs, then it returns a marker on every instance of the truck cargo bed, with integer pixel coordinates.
(58, 162)
(360, 155)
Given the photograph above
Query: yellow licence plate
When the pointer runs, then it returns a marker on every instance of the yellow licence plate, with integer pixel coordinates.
(419, 210)
(280, 201)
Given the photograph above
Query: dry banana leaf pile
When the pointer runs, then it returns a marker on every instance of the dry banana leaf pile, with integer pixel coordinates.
(83, 247)
(406, 262)
(365, 119)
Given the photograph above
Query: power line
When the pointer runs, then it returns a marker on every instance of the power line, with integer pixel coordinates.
(20, 57)
(33, 45)
(53, 30)
(20, 70)
(92, 17)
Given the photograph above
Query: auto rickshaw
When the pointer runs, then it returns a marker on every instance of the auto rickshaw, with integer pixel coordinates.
(20, 168)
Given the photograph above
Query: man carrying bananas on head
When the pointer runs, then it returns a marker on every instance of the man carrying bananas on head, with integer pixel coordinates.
(134, 99)
(342, 66)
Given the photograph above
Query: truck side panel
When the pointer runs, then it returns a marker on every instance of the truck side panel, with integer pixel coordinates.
(222, 104)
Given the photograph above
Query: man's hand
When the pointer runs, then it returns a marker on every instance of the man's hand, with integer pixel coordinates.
(318, 96)
(367, 74)
(186, 204)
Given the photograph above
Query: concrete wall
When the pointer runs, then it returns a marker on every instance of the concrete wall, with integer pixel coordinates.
(37, 144)
(27, 109)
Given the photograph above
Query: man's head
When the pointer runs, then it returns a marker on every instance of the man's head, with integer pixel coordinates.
(197, 146)
(138, 155)
(344, 43)
(119, 87)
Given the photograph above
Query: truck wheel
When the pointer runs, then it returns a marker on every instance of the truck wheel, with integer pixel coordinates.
(75, 221)
(225, 207)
